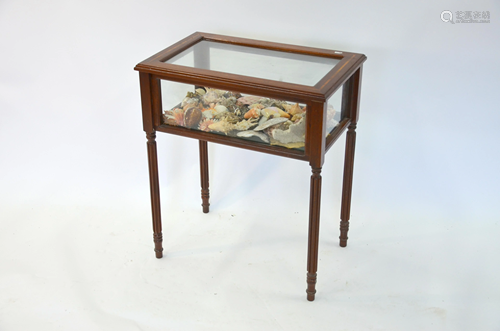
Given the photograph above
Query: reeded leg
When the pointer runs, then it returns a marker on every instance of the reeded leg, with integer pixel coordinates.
(205, 194)
(345, 212)
(313, 242)
(155, 193)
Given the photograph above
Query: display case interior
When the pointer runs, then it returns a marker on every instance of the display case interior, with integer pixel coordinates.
(254, 118)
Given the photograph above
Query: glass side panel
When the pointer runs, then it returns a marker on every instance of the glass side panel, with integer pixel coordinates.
(255, 62)
(333, 113)
(258, 119)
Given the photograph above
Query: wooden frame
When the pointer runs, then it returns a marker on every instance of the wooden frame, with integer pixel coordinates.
(346, 74)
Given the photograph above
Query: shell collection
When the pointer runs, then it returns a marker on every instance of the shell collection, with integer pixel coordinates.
(265, 120)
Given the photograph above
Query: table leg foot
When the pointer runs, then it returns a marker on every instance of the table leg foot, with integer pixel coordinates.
(344, 228)
(158, 240)
(205, 192)
(311, 286)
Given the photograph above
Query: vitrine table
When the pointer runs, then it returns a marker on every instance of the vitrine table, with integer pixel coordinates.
(262, 96)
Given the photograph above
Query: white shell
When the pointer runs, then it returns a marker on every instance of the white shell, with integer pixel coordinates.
(248, 134)
(211, 96)
(271, 112)
(262, 120)
(271, 122)
(188, 100)
(220, 109)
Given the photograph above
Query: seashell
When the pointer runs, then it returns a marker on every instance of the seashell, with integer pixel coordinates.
(174, 117)
(220, 93)
(231, 94)
(220, 109)
(252, 113)
(211, 96)
(189, 101)
(295, 109)
(189, 105)
(297, 117)
(249, 134)
(214, 111)
(221, 126)
(200, 91)
(286, 107)
(274, 112)
(204, 125)
(263, 120)
(245, 124)
(248, 100)
(208, 113)
(283, 113)
(192, 117)
(270, 112)
(295, 133)
(258, 106)
(228, 117)
(169, 120)
(270, 122)
(230, 101)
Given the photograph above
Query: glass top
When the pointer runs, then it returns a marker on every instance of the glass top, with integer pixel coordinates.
(256, 62)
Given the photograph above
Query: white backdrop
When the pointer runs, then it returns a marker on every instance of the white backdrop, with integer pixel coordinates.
(76, 248)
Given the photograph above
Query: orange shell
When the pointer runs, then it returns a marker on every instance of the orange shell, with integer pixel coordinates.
(252, 113)
(283, 114)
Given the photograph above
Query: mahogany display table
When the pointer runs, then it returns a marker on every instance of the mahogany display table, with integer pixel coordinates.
(267, 97)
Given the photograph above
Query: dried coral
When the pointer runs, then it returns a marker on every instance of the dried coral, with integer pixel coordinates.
(221, 126)
(245, 124)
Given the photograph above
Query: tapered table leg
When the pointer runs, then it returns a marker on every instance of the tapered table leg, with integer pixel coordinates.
(313, 241)
(345, 212)
(205, 193)
(155, 193)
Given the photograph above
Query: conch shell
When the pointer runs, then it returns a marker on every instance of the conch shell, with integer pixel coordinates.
(295, 109)
(252, 113)
(274, 112)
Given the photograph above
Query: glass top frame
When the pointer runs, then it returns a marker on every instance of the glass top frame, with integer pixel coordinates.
(302, 69)
(348, 63)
